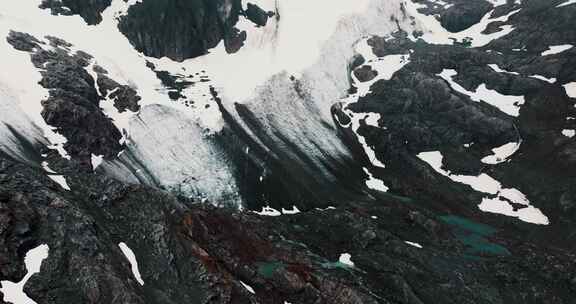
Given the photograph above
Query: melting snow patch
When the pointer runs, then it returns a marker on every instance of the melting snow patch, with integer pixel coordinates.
(527, 214)
(506, 103)
(326, 209)
(501, 154)
(549, 80)
(386, 67)
(14, 292)
(268, 211)
(566, 3)
(96, 161)
(486, 184)
(60, 179)
(497, 69)
(294, 210)
(556, 49)
(132, 259)
(413, 244)
(569, 132)
(435, 33)
(374, 183)
(346, 259)
(248, 287)
(570, 89)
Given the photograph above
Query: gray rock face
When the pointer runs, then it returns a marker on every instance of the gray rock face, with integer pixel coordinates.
(89, 10)
(73, 104)
(464, 14)
(189, 28)
(257, 15)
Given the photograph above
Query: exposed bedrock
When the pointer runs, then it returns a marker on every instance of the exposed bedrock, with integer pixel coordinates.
(197, 253)
(73, 104)
(180, 29)
(89, 10)
(420, 111)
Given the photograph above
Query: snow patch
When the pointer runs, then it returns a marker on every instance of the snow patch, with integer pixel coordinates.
(268, 211)
(346, 259)
(96, 160)
(570, 89)
(414, 244)
(506, 103)
(435, 33)
(569, 2)
(543, 78)
(294, 210)
(497, 69)
(569, 133)
(500, 198)
(248, 287)
(556, 49)
(502, 153)
(60, 179)
(132, 259)
(374, 183)
(14, 292)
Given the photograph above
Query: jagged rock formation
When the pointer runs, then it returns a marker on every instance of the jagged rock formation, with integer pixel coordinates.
(188, 251)
(73, 103)
(189, 28)
(90, 10)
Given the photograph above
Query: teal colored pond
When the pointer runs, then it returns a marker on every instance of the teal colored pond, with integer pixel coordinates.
(474, 236)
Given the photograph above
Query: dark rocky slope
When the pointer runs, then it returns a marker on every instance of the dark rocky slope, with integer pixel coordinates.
(198, 254)
(73, 103)
(89, 10)
(181, 29)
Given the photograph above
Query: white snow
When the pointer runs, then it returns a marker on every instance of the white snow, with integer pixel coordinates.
(502, 153)
(498, 199)
(374, 183)
(248, 287)
(569, 132)
(13, 292)
(496, 68)
(58, 178)
(556, 49)
(356, 118)
(566, 3)
(132, 259)
(570, 89)
(508, 104)
(96, 160)
(413, 244)
(268, 211)
(434, 33)
(543, 78)
(527, 214)
(294, 210)
(61, 180)
(346, 259)
(326, 209)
